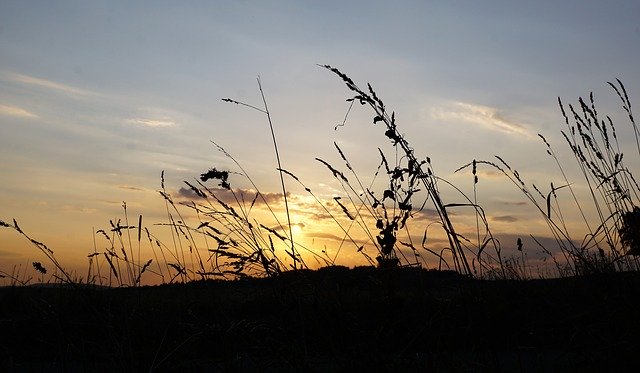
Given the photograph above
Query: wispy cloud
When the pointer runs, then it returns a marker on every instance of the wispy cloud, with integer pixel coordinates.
(513, 203)
(333, 237)
(505, 219)
(154, 123)
(14, 111)
(133, 188)
(79, 209)
(49, 84)
(6, 254)
(486, 116)
(485, 173)
(155, 117)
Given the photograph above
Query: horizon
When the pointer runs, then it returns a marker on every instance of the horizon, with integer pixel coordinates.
(100, 99)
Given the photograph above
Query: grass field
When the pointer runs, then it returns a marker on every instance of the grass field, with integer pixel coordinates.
(482, 311)
(334, 319)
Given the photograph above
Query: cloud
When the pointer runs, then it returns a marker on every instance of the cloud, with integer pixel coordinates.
(505, 219)
(187, 193)
(48, 84)
(154, 123)
(513, 203)
(428, 214)
(129, 187)
(79, 209)
(489, 174)
(321, 216)
(508, 242)
(7, 253)
(14, 111)
(227, 196)
(158, 117)
(333, 237)
(284, 228)
(486, 116)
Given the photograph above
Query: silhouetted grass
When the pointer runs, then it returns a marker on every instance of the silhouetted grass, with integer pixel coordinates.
(227, 241)
(611, 242)
(393, 208)
(274, 314)
(60, 274)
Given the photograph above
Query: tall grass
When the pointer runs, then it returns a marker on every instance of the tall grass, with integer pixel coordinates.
(611, 242)
(214, 230)
(60, 274)
(395, 205)
(265, 110)
(122, 267)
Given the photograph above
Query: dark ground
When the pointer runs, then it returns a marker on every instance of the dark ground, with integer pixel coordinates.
(334, 319)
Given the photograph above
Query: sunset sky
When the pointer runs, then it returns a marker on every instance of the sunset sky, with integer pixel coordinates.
(99, 97)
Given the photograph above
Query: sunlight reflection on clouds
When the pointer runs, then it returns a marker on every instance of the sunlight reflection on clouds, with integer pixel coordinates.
(489, 117)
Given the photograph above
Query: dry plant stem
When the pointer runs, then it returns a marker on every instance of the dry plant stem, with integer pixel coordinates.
(590, 140)
(364, 198)
(552, 153)
(561, 237)
(426, 178)
(139, 244)
(582, 161)
(328, 212)
(155, 254)
(14, 278)
(204, 236)
(294, 255)
(239, 238)
(284, 190)
(43, 248)
(126, 221)
(475, 203)
(244, 173)
(626, 105)
(238, 225)
(168, 200)
(612, 189)
(480, 216)
(364, 202)
(180, 232)
(95, 252)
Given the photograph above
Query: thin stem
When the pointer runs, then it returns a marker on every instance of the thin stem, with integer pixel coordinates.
(284, 189)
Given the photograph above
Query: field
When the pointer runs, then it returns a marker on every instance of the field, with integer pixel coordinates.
(333, 319)
(484, 309)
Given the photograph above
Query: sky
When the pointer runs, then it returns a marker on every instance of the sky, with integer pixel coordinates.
(98, 98)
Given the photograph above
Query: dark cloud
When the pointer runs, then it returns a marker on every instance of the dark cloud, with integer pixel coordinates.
(129, 187)
(514, 203)
(428, 214)
(284, 226)
(232, 196)
(505, 218)
(329, 236)
(188, 194)
(321, 216)
(274, 197)
(9, 254)
(112, 202)
(509, 245)
(333, 237)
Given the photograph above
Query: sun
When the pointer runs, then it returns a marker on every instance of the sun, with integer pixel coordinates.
(296, 229)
